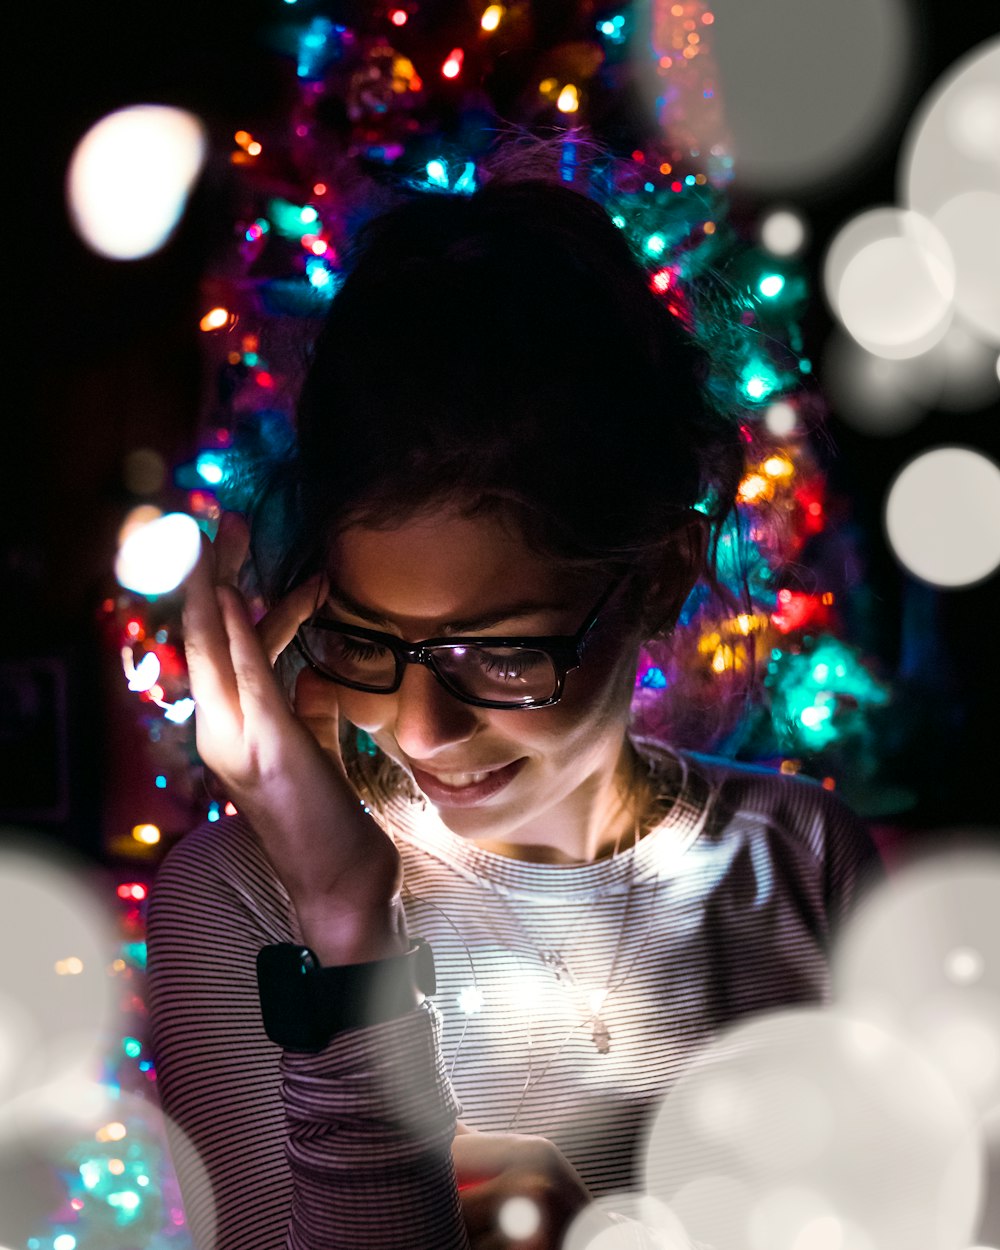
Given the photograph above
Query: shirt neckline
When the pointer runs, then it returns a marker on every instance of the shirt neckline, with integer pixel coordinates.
(656, 856)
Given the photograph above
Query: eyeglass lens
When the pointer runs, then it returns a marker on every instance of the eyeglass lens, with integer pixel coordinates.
(499, 674)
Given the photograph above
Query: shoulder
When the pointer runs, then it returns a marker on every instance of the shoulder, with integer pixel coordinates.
(799, 818)
(219, 872)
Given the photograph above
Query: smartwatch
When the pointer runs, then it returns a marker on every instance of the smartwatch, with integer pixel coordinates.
(305, 1005)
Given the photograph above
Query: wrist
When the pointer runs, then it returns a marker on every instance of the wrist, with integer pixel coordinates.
(338, 940)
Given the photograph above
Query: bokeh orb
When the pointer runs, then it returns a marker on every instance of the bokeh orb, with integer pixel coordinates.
(154, 558)
(922, 956)
(130, 176)
(942, 516)
(817, 1126)
(888, 277)
(57, 996)
(806, 94)
(783, 232)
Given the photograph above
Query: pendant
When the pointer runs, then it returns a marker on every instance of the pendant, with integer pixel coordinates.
(601, 1037)
(554, 961)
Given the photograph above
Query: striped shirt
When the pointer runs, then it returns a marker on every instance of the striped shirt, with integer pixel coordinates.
(569, 999)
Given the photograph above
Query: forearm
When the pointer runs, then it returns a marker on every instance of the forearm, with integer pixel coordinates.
(370, 1124)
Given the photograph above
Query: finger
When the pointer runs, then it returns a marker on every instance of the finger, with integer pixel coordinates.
(206, 643)
(259, 693)
(277, 629)
(232, 543)
(315, 704)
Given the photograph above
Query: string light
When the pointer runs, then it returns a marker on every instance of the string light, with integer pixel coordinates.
(491, 17)
(569, 99)
(215, 319)
(453, 65)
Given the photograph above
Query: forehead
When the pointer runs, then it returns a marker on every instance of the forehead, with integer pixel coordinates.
(443, 566)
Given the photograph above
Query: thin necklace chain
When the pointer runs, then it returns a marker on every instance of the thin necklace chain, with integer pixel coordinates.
(600, 1035)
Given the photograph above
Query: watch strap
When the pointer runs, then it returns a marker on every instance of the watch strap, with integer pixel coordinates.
(305, 1005)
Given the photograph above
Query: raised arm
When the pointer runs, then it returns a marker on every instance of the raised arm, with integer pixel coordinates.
(316, 1151)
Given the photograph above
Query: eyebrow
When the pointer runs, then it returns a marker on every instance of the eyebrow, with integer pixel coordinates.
(471, 625)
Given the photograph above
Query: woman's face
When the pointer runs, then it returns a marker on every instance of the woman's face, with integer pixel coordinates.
(440, 573)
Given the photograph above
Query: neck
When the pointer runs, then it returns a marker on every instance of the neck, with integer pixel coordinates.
(595, 822)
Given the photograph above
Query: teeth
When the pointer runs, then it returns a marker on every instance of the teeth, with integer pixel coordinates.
(461, 779)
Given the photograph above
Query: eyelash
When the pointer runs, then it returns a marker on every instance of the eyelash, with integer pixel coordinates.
(359, 650)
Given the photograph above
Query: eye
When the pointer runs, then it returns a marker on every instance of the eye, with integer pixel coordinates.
(358, 649)
(508, 666)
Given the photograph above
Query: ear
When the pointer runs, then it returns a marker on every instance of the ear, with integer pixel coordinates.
(673, 571)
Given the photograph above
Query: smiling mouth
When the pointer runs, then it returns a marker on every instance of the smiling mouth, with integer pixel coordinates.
(458, 780)
(466, 789)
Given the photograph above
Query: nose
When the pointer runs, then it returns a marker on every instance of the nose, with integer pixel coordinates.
(428, 719)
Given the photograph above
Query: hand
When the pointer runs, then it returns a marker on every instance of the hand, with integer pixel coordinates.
(282, 770)
(494, 1167)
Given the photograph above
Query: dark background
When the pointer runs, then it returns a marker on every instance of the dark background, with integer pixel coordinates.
(105, 359)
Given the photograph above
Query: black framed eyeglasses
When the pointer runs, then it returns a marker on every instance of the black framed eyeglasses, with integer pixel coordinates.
(485, 671)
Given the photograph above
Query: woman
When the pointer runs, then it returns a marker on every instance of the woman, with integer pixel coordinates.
(508, 477)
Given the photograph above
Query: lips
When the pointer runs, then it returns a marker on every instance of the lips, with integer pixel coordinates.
(466, 789)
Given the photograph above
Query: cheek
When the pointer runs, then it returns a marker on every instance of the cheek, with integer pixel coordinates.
(594, 708)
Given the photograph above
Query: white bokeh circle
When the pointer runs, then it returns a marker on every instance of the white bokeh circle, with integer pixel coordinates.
(970, 225)
(154, 558)
(952, 144)
(783, 232)
(130, 176)
(639, 1222)
(870, 393)
(519, 1218)
(888, 277)
(922, 955)
(807, 98)
(807, 1124)
(942, 516)
(56, 989)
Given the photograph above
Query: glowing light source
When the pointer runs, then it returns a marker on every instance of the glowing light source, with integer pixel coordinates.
(778, 466)
(144, 675)
(759, 380)
(569, 99)
(155, 558)
(655, 244)
(771, 285)
(453, 65)
(470, 1000)
(491, 17)
(210, 468)
(180, 711)
(149, 835)
(398, 17)
(130, 176)
(214, 319)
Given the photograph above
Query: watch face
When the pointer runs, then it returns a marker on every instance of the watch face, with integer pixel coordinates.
(304, 1005)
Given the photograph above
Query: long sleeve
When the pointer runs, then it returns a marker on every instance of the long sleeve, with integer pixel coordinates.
(272, 1149)
(371, 1120)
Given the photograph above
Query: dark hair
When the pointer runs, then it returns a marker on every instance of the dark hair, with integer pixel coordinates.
(504, 351)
